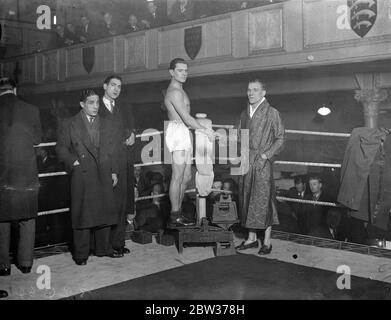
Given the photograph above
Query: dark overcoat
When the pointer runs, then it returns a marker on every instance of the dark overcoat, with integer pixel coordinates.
(121, 124)
(20, 130)
(92, 193)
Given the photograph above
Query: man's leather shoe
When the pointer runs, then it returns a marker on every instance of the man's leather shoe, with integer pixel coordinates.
(81, 262)
(125, 250)
(5, 272)
(24, 269)
(265, 250)
(244, 246)
(3, 294)
(180, 222)
(122, 251)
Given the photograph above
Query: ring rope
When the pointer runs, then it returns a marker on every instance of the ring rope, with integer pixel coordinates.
(298, 163)
(316, 133)
(320, 203)
(45, 213)
(52, 174)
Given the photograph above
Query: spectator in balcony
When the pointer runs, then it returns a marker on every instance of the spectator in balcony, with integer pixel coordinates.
(153, 16)
(108, 28)
(87, 31)
(314, 216)
(61, 40)
(70, 33)
(182, 10)
(133, 24)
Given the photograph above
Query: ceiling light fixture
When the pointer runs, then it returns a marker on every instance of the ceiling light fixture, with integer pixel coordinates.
(324, 111)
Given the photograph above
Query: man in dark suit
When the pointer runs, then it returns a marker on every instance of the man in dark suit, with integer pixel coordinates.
(153, 16)
(315, 216)
(108, 28)
(122, 124)
(299, 191)
(87, 31)
(87, 147)
(182, 10)
(20, 130)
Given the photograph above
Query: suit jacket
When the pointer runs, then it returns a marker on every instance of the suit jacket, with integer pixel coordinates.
(92, 194)
(295, 206)
(316, 215)
(157, 21)
(122, 122)
(20, 130)
(92, 32)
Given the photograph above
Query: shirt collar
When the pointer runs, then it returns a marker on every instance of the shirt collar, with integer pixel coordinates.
(252, 110)
(108, 102)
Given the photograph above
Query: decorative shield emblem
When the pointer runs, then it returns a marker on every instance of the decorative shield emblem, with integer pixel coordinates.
(88, 58)
(363, 14)
(193, 41)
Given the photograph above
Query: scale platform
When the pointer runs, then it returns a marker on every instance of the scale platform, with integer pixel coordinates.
(206, 233)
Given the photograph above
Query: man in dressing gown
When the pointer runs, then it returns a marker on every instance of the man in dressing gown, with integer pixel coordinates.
(257, 192)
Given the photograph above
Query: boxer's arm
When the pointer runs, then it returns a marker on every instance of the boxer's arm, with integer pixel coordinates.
(177, 100)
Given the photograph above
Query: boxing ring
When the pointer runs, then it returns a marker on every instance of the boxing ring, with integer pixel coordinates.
(282, 235)
(287, 131)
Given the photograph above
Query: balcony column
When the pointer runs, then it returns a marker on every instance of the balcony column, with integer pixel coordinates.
(371, 99)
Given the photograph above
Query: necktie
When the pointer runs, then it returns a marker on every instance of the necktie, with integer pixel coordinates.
(112, 106)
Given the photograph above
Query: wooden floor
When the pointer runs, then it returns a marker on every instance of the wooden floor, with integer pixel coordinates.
(68, 279)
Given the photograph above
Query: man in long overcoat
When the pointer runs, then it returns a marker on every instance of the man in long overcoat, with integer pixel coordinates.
(257, 194)
(121, 122)
(20, 130)
(87, 146)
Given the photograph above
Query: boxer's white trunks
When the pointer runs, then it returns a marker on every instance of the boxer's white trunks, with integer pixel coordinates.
(178, 136)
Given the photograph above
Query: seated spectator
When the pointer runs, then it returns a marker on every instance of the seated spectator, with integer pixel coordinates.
(314, 216)
(329, 230)
(213, 196)
(230, 185)
(108, 28)
(153, 16)
(132, 25)
(299, 191)
(182, 10)
(151, 215)
(87, 31)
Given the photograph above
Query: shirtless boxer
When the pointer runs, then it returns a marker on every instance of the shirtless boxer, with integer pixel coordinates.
(178, 139)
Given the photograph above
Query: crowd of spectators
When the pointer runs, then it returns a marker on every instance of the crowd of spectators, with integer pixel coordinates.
(151, 15)
(319, 220)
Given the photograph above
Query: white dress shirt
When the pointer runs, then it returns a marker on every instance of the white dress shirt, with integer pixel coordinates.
(252, 109)
(109, 104)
